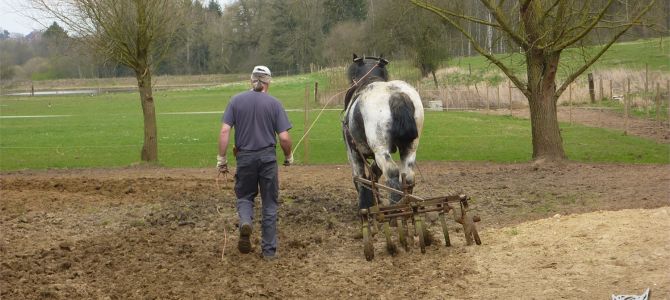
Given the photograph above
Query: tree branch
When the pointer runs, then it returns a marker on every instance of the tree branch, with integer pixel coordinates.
(517, 82)
(497, 13)
(586, 30)
(551, 7)
(469, 18)
(602, 51)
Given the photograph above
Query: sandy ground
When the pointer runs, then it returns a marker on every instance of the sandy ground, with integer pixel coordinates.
(572, 230)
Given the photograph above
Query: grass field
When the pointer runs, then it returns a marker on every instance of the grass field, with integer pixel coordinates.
(654, 53)
(106, 131)
(635, 55)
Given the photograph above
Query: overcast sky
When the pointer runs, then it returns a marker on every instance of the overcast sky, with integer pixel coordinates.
(13, 16)
(13, 19)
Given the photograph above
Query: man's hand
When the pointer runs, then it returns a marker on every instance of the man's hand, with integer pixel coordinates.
(288, 160)
(222, 164)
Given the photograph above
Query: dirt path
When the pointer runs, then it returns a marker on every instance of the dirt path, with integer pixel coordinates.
(548, 231)
(606, 118)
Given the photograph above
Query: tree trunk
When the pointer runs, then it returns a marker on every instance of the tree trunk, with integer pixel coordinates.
(489, 35)
(592, 88)
(547, 140)
(188, 54)
(150, 147)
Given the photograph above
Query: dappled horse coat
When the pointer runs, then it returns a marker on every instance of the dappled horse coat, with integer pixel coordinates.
(380, 118)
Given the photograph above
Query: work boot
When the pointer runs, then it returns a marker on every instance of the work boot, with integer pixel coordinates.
(244, 244)
(269, 258)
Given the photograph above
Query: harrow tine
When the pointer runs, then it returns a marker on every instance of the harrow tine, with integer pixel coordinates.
(402, 233)
(418, 228)
(443, 221)
(390, 246)
(468, 221)
(468, 234)
(368, 248)
(471, 230)
(375, 224)
(475, 234)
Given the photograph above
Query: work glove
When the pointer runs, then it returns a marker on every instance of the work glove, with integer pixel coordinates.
(222, 164)
(288, 160)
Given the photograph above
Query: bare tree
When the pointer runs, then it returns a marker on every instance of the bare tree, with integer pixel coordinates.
(134, 33)
(542, 29)
(421, 35)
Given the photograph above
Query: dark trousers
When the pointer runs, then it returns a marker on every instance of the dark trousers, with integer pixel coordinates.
(258, 169)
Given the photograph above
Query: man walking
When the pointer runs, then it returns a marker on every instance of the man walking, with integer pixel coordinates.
(257, 117)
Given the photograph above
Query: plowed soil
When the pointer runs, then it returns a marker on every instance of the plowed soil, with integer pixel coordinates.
(571, 230)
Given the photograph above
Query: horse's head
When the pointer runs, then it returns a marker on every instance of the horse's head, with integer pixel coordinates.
(369, 68)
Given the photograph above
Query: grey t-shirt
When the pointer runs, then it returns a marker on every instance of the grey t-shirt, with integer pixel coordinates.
(257, 117)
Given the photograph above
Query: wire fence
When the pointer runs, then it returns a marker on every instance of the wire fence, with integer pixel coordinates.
(641, 93)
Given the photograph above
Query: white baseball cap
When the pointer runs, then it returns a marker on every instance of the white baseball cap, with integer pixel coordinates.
(262, 74)
(261, 70)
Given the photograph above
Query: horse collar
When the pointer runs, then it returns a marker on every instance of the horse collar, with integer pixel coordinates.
(363, 77)
(354, 87)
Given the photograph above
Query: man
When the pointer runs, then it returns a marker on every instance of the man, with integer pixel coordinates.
(257, 117)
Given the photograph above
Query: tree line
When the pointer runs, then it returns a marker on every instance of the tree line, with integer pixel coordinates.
(291, 36)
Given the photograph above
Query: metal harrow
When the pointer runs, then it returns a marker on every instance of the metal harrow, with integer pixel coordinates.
(411, 210)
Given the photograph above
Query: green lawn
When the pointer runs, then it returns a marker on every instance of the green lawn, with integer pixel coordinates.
(634, 55)
(106, 131)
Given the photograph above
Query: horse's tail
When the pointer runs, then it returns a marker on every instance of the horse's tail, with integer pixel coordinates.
(403, 128)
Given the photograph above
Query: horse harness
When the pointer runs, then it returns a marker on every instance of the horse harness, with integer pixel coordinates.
(354, 87)
(351, 91)
(345, 121)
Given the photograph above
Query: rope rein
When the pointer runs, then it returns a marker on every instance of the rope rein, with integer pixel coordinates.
(355, 83)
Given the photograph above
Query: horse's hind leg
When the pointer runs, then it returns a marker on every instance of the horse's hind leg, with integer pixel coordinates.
(390, 170)
(408, 163)
(376, 172)
(358, 169)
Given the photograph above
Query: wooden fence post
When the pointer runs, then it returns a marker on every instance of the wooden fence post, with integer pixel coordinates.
(467, 92)
(510, 98)
(592, 89)
(658, 104)
(487, 100)
(625, 108)
(444, 91)
(316, 92)
(645, 98)
(646, 77)
(570, 104)
(602, 95)
(498, 97)
(446, 99)
(611, 91)
(305, 145)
